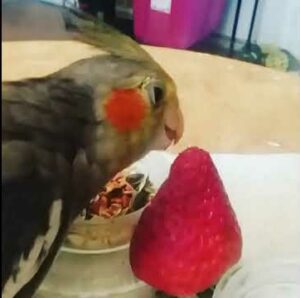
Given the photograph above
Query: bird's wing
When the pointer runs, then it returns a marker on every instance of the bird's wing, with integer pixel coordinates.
(37, 149)
(31, 219)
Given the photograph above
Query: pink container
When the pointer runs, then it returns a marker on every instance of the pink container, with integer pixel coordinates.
(175, 23)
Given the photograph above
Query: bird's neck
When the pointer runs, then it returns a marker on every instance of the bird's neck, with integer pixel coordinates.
(50, 112)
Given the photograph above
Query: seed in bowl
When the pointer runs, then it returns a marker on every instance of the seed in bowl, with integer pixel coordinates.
(123, 194)
(110, 217)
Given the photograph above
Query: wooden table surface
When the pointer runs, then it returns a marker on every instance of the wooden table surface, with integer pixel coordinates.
(228, 105)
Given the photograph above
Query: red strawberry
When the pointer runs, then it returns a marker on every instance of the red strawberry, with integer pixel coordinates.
(188, 236)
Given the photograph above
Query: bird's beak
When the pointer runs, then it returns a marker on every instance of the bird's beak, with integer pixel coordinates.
(172, 129)
(173, 124)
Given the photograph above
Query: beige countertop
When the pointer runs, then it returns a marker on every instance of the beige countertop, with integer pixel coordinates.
(228, 105)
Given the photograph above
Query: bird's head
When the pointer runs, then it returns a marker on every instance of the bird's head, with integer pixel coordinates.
(135, 110)
(135, 103)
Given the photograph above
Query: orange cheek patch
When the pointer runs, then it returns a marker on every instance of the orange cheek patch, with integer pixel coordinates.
(125, 109)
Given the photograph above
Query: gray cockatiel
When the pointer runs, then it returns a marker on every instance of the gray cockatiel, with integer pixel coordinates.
(66, 134)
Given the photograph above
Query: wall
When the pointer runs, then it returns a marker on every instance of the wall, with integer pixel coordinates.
(278, 22)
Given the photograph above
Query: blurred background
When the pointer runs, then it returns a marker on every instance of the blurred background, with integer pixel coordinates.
(265, 32)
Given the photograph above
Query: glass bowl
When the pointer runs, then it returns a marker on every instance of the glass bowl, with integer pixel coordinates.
(100, 234)
(106, 275)
(107, 234)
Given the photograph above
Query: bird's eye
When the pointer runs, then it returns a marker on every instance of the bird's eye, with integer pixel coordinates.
(156, 95)
(155, 91)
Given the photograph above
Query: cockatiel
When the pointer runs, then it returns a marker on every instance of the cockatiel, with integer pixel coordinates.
(66, 134)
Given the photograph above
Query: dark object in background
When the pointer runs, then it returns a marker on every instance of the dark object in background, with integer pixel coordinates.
(234, 28)
(206, 294)
(269, 56)
(108, 9)
(93, 7)
(250, 52)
